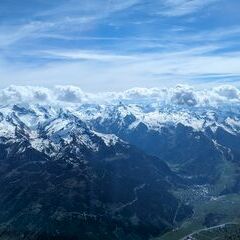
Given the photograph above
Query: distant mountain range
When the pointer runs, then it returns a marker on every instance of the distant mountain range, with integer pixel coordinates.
(112, 171)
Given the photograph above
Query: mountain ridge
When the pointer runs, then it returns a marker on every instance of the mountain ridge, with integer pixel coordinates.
(142, 166)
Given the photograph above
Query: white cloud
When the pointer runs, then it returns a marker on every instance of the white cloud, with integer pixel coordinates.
(181, 95)
(15, 94)
(70, 94)
(141, 93)
(80, 15)
(184, 95)
(112, 67)
(175, 8)
(228, 91)
(85, 55)
(109, 71)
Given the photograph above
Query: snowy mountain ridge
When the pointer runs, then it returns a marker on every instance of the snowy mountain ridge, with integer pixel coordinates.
(54, 118)
(48, 127)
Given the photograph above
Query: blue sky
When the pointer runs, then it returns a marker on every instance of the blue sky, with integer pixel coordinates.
(115, 44)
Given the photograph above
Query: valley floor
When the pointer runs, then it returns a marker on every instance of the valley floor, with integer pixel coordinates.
(224, 223)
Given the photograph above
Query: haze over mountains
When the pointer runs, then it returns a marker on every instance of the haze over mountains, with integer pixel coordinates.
(129, 165)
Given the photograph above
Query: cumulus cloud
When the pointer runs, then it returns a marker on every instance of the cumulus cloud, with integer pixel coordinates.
(15, 94)
(184, 95)
(70, 94)
(228, 91)
(181, 95)
(140, 95)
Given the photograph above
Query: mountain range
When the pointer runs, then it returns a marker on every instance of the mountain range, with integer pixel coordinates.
(115, 170)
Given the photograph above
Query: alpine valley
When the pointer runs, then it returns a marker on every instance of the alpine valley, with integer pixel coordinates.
(119, 171)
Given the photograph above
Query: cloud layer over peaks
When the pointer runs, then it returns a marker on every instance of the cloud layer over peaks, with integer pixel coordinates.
(181, 95)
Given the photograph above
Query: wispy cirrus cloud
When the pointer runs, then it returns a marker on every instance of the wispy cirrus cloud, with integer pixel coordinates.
(103, 70)
(81, 15)
(118, 44)
(85, 55)
(176, 8)
(76, 15)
